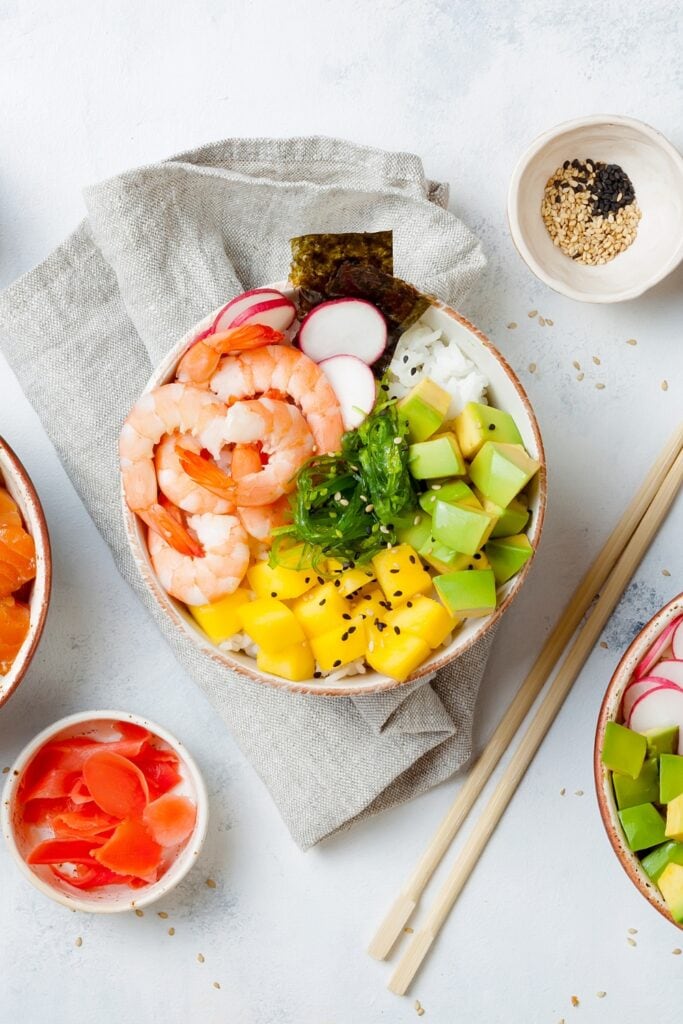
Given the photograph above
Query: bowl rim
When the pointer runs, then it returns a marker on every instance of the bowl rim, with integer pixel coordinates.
(36, 522)
(178, 869)
(609, 708)
(518, 237)
(318, 687)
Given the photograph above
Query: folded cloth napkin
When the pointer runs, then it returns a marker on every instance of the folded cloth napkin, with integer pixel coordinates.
(162, 246)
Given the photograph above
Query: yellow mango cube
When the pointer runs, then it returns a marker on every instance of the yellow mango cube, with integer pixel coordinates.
(294, 663)
(400, 573)
(220, 620)
(425, 618)
(341, 645)
(397, 656)
(674, 819)
(320, 609)
(370, 603)
(270, 624)
(348, 581)
(279, 581)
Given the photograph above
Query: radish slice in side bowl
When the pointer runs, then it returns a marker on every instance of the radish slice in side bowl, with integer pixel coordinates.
(344, 327)
(677, 642)
(671, 670)
(659, 708)
(354, 386)
(637, 689)
(657, 648)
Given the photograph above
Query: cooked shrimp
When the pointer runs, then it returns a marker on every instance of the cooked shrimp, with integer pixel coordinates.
(178, 486)
(202, 358)
(219, 572)
(261, 520)
(285, 438)
(166, 410)
(280, 368)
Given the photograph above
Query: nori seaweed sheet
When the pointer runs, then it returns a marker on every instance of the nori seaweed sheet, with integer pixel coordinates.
(315, 258)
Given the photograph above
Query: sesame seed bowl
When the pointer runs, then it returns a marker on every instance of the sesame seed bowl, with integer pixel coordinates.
(625, 241)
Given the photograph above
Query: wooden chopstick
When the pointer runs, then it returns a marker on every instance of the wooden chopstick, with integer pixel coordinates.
(405, 903)
(535, 733)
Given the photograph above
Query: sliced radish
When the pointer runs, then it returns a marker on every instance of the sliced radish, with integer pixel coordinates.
(637, 689)
(659, 645)
(677, 642)
(671, 671)
(239, 304)
(354, 386)
(344, 327)
(277, 313)
(660, 708)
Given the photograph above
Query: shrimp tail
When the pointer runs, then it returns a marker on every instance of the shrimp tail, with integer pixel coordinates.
(207, 474)
(201, 360)
(168, 526)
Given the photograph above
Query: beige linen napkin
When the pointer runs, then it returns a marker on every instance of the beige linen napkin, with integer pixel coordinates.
(162, 246)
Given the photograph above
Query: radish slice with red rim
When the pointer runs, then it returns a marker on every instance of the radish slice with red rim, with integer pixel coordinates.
(277, 313)
(231, 310)
(637, 688)
(658, 646)
(354, 385)
(671, 670)
(659, 708)
(677, 642)
(344, 327)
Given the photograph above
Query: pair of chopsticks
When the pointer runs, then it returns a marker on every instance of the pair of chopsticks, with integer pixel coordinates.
(598, 593)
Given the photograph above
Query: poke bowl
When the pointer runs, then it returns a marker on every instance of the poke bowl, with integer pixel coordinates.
(638, 761)
(104, 811)
(344, 582)
(25, 571)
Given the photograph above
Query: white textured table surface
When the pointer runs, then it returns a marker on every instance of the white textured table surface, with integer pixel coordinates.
(89, 89)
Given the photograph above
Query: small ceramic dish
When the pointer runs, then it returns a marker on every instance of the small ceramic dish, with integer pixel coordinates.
(110, 899)
(15, 479)
(610, 711)
(505, 392)
(656, 169)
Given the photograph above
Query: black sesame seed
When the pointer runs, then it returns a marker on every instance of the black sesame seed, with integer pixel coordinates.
(320, 580)
(405, 359)
(413, 371)
(337, 663)
(385, 387)
(397, 631)
(317, 675)
(322, 601)
(337, 583)
(398, 593)
(492, 426)
(394, 571)
(345, 615)
(352, 629)
(367, 597)
(565, 165)
(345, 637)
(409, 604)
(307, 579)
(411, 558)
(477, 556)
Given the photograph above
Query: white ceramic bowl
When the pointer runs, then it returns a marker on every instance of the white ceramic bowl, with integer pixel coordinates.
(505, 391)
(16, 480)
(656, 170)
(610, 711)
(109, 899)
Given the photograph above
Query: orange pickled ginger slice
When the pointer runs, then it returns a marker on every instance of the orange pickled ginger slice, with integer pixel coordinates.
(131, 851)
(116, 785)
(9, 513)
(170, 819)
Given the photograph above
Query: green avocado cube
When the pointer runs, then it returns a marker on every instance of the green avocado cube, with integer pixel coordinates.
(643, 790)
(501, 471)
(467, 594)
(643, 826)
(623, 750)
(671, 887)
(418, 532)
(507, 555)
(455, 491)
(511, 520)
(662, 741)
(424, 409)
(460, 527)
(668, 853)
(440, 456)
(478, 423)
(670, 777)
(445, 560)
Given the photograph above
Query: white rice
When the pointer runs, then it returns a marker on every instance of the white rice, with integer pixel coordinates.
(240, 642)
(423, 351)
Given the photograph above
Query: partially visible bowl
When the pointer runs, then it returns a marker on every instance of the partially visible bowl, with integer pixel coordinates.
(610, 711)
(112, 899)
(656, 169)
(504, 391)
(14, 477)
